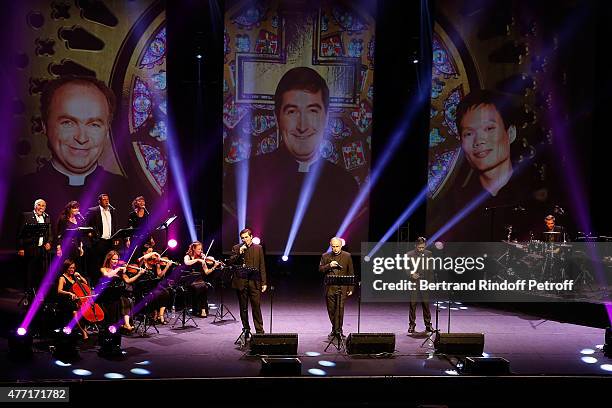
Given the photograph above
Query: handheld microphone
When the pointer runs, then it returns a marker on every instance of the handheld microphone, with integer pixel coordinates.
(111, 206)
(145, 210)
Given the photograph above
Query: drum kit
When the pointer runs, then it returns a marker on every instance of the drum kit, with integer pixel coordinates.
(538, 259)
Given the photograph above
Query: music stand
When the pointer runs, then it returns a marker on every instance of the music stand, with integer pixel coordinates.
(164, 225)
(224, 274)
(342, 281)
(123, 233)
(186, 279)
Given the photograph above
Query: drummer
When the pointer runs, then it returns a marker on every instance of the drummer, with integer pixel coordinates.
(552, 232)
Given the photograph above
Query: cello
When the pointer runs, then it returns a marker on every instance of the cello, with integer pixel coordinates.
(90, 310)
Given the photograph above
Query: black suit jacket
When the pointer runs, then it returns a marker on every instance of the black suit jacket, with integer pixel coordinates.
(29, 244)
(345, 261)
(94, 220)
(423, 273)
(256, 260)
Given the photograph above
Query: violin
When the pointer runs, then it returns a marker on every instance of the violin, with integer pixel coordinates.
(90, 310)
(131, 269)
(212, 261)
(163, 261)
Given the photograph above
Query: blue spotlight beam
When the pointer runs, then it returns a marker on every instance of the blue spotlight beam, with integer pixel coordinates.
(398, 136)
(410, 209)
(178, 175)
(308, 185)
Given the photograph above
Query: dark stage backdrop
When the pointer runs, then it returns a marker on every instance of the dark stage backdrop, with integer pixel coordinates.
(262, 179)
(537, 61)
(122, 44)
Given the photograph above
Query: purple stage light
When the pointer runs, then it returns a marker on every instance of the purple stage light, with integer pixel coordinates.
(21, 331)
(67, 330)
(112, 329)
(285, 258)
(257, 240)
(242, 191)
(172, 243)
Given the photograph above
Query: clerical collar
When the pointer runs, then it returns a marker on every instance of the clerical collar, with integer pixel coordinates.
(74, 179)
(304, 167)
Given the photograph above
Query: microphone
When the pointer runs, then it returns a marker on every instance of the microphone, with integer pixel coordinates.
(45, 214)
(111, 206)
(145, 210)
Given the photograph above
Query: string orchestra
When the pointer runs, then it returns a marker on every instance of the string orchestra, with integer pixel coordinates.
(107, 278)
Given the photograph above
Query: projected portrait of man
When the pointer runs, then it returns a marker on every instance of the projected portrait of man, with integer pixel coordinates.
(276, 180)
(486, 133)
(485, 123)
(76, 113)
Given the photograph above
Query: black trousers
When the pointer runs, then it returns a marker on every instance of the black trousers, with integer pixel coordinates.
(418, 297)
(250, 291)
(36, 264)
(333, 296)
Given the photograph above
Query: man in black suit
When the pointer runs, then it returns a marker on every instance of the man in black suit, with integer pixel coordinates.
(251, 284)
(338, 263)
(35, 249)
(416, 296)
(103, 220)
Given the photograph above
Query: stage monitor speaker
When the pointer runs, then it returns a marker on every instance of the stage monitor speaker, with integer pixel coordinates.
(370, 343)
(461, 344)
(277, 366)
(486, 366)
(276, 344)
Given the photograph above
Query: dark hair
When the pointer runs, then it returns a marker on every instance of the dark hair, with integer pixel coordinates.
(502, 103)
(421, 240)
(549, 217)
(52, 86)
(304, 79)
(66, 265)
(66, 211)
(102, 195)
(245, 231)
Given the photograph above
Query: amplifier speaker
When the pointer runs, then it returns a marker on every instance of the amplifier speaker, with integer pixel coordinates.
(276, 344)
(370, 343)
(462, 344)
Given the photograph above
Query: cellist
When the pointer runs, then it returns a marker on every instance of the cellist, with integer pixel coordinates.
(67, 280)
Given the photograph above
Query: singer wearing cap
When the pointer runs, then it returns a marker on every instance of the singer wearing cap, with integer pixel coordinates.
(337, 262)
(34, 250)
(417, 296)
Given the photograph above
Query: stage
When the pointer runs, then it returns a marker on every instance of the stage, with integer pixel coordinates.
(542, 354)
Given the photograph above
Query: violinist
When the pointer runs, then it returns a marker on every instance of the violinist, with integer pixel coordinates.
(111, 269)
(67, 298)
(196, 261)
(152, 262)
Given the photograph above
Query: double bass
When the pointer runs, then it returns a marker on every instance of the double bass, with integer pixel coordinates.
(90, 310)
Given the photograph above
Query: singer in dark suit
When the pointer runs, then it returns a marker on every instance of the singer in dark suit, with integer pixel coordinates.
(249, 285)
(339, 263)
(416, 296)
(103, 220)
(35, 249)
(139, 220)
